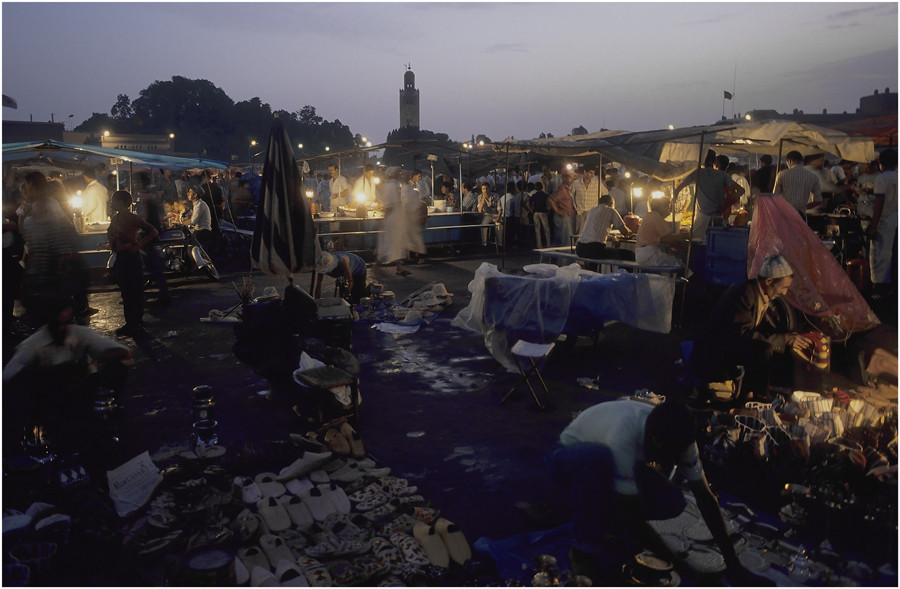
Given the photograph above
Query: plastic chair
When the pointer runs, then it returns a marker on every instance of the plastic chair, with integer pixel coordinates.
(532, 351)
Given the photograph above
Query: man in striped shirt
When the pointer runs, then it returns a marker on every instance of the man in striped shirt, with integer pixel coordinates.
(797, 185)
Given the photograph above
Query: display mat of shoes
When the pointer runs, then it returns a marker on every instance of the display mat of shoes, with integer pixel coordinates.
(362, 526)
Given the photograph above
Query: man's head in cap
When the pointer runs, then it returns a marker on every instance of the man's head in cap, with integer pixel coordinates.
(326, 262)
(775, 277)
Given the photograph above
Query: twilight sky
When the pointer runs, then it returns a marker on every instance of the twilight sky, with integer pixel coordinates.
(502, 69)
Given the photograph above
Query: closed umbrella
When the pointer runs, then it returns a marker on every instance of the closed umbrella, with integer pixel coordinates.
(284, 240)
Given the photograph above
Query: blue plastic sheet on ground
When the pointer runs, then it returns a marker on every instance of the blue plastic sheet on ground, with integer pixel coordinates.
(514, 556)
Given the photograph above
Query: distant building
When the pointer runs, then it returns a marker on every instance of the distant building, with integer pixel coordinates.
(876, 117)
(409, 101)
(161, 144)
(21, 131)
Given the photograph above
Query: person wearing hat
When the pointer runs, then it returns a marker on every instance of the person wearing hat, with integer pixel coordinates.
(741, 332)
(344, 265)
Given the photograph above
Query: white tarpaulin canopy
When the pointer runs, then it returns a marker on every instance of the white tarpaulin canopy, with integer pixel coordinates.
(672, 154)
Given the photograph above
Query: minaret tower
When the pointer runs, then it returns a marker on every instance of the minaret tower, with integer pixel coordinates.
(409, 100)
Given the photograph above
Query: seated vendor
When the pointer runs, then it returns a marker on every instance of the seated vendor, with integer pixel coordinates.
(657, 241)
(592, 240)
(739, 332)
(344, 265)
(618, 459)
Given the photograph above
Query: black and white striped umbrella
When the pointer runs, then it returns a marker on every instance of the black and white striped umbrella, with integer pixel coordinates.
(284, 240)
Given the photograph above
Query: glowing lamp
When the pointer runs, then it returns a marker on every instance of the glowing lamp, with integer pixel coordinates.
(361, 197)
(76, 202)
(628, 174)
(657, 194)
(638, 191)
(309, 194)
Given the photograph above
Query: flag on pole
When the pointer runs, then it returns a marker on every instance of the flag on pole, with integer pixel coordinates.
(727, 95)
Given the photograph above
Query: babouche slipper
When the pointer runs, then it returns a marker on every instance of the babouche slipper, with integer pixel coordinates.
(268, 486)
(274, 514)
(307, 463)
(454, 539)
(353, 438)
(275, 548)
(432, 543)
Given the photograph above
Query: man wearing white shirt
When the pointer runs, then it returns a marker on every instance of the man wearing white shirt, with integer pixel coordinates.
(422, 186)
(94, 198)
(339, 187)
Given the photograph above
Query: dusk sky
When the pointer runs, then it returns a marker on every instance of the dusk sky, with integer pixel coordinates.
(501, 69)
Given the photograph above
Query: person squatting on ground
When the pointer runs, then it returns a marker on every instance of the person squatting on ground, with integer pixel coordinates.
(618, 459)
(127, 235)
(740, 332)
(53, 374)
(344, 265)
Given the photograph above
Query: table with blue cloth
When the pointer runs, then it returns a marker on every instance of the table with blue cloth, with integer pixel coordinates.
(539, 307)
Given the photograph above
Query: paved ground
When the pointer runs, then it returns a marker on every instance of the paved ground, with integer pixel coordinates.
(430, 399)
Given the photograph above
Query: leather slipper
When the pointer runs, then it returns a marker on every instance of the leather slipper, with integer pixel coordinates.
(252, 557)
(299, 487)
(412, 551)
(431, 542)
(453, 537)
(274, 514)
(289, 574)
(268, 485)
(336, 495)
(307, 463)
(319, 505)
(354, 439)
(260, 577)
(387, 552)
(250, 491)
(337, 443)
(316, 573)
(275, 548)
(298, 511)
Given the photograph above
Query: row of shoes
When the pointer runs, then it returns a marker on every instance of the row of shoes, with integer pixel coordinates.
(344, 550)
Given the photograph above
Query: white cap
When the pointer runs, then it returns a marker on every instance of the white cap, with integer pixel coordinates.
(325, 263)
(775, 267)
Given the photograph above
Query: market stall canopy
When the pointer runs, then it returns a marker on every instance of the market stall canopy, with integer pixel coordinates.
(72, 155)
(671, 154)
(773, 138)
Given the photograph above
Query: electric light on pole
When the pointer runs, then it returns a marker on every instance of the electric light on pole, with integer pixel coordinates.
(250, 154)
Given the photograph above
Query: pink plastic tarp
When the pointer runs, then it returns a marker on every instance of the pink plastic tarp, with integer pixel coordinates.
(821, 288)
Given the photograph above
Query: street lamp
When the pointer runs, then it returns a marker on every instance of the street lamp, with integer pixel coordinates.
(250, 154)
(671, 127)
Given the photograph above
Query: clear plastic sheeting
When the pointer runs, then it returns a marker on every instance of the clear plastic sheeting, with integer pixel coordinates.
(821, 288)
(507, 308)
